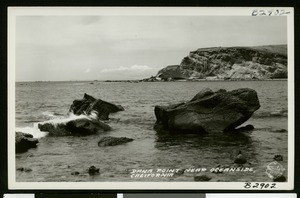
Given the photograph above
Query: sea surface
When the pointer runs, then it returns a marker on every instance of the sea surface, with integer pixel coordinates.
(56, 158)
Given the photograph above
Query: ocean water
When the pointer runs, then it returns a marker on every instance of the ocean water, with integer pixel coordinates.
(56, 158)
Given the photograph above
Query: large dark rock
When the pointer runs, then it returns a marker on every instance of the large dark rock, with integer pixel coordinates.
(89, 104)
(208, 111)
(113, 141)
(81, 126)
(24, 141)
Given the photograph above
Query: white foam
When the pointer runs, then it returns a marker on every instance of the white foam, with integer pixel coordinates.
(48, 113)
(55, 121)
(33, 131)
(61, 120)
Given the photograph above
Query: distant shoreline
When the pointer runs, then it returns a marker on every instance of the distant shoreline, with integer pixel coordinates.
(139, 81)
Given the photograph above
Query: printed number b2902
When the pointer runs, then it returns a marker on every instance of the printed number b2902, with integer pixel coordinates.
(250, 185)
(277, 12)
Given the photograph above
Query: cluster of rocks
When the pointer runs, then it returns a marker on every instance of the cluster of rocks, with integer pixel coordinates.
(207, 112)
(84, 124)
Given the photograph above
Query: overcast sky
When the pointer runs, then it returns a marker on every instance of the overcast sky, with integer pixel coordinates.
(128, 47)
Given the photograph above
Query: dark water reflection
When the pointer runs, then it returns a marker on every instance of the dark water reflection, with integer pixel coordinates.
(203, 140)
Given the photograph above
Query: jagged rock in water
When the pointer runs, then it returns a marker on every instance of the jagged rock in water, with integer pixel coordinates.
(23, 169)
(113, 141)
(80, 127)
(202, 178)
(24, 141)
(235, 63)
(93, 170)
(75, 173)
(278, 158)
(208, 111)
(89, 104)
(282, 178)
(240, 159)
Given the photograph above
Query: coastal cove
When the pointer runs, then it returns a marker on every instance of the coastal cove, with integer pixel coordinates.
(58, 158)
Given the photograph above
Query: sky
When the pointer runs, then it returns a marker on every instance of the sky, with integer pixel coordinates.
(59, 48)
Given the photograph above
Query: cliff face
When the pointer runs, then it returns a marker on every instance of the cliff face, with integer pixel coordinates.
(262, 62)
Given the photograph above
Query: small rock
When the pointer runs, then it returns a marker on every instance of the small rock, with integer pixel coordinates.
(75, 173)
(278, 158)
(240, 159)
(113, 141)
(93, 170)
(24, 169)
(24, 141)
(27, 169)
(280, 131)
(202, 178)
(280, 179)
(20, 169)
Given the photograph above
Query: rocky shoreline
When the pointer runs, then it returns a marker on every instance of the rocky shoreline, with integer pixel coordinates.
(198, 115)
(154, 79)
(208, 112)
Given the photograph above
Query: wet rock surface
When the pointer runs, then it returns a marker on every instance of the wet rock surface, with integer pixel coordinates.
(93, 170)
(202, 178)
(113, 141)
(89, 104)
(208, 111)
(24, 141)
(240, 159)
(76, 127)
(24, 169)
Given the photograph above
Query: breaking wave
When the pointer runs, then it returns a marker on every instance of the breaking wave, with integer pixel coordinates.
(276, 113)
(55, 120)
(35, 131)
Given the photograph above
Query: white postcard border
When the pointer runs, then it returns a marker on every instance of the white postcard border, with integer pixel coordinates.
(13, 12)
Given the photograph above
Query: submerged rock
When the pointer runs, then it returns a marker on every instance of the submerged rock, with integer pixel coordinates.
(113, 141)
(89, 104)
(280, 131)
(93, 170)
(24, 169)
(202, 178)
(75, 173)
(282, 178)
(80, 126)
(208, 111)
(24, 141)
(278, 158)
(240, 159)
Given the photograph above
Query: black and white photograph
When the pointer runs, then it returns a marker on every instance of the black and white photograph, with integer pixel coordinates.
(151, 98)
